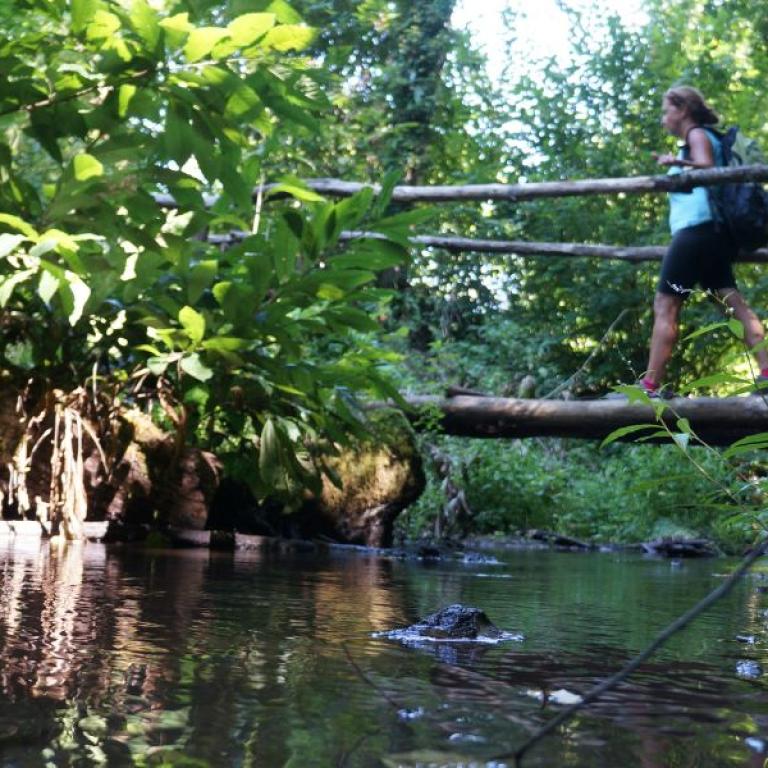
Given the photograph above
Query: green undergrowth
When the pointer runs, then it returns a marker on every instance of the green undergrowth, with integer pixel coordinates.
(620, 493)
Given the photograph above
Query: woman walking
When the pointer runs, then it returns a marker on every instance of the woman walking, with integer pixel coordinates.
(699, 252)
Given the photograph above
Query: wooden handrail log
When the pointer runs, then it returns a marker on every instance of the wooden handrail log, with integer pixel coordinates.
(629, 253)
(633, 185)
(717, 421)
(637, 185)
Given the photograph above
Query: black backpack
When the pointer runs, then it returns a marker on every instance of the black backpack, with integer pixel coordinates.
(740, 208)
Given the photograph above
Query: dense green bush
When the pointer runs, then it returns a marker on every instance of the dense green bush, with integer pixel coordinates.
(621, 493)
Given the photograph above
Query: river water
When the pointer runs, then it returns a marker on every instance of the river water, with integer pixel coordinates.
(189, 658)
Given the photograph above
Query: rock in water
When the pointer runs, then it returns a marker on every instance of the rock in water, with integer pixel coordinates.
(749, 669)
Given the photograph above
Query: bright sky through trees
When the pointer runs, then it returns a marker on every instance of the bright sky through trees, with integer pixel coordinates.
(539, 28)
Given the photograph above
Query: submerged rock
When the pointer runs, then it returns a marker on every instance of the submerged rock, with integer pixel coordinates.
(456, 623)
(749, 669)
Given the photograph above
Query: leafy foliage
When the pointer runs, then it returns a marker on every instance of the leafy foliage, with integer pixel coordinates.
(111, 108)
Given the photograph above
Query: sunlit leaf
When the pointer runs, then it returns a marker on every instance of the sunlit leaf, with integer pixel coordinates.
(193, 323)
(80, 295)
(247, 28)
(202, 41)
(736, 328)
(194, 366)
(297, 191)
(177, 28)
(125, 94)
(47, 286)
(145, 21)
(289, 37)
(83, 12)
(623, 431)
(86, 167)
(8, 284)
(705, 329)
(9, 243)
(18, 224)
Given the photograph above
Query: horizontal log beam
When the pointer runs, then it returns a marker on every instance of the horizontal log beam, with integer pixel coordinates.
(634, 254)
(717, 421)
(632, 185)
(637, 185)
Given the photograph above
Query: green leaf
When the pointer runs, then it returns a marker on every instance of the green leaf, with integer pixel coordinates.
(225, 344)
(43, 246)
(193, 323)
(202, 41)
(80, 294)
(9, 243)
(124, 97)
(682, 439)
(297, 191)
(289, 37)
(247, 28)
(736, 328)
(86, 167)
(103, 26)
(350, 211)
(200, 279)
(21, 354)
(684, 426)
(284, 12)
(177, 28)
(158, 365)
(243, 104)
(269, 455)
(221, 291)
(18, 224)
(9, 283)
(198, 396)
(145, 21)
(711, 381)
(622, 431)
(634, 394)
(83, 12)
(742, 449)
(385, 195)
(48, 286)
(371, 254)
(192, 365)
(754, 442)
(353, 318)
(706, 329)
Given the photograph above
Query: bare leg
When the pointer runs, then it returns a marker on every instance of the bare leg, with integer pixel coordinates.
(666, 316)
(753, 328)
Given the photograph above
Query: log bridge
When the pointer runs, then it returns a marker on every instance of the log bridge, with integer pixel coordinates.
(715, 420)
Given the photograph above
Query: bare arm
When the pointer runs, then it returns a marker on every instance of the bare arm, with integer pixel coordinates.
(700, 155)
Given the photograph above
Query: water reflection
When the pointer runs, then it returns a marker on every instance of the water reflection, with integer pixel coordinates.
(112, 657)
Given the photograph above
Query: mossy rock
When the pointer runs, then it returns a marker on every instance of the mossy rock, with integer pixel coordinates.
(380, 477)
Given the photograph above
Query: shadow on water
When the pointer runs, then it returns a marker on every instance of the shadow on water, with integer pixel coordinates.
(125, 657)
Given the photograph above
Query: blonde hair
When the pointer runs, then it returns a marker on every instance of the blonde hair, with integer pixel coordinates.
(692, 101)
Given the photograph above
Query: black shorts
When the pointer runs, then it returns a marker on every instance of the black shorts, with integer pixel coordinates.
(697, 254)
